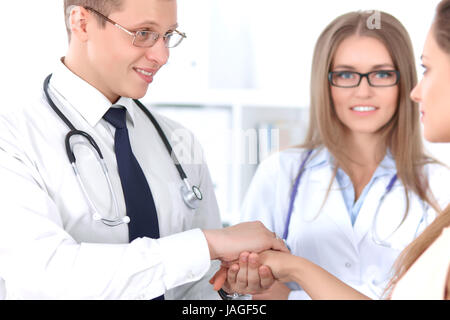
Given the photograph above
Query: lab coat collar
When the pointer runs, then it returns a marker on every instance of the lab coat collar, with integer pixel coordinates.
(321, 157)
(89, 102)
(387, 165)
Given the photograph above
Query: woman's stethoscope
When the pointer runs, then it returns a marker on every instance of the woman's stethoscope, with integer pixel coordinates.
(375, 235)
(191, 195)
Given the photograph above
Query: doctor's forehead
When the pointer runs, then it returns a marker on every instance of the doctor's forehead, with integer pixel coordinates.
(151, 12)
(361, 51)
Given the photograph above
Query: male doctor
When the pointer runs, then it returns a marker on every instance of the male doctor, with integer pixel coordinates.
(52, 245)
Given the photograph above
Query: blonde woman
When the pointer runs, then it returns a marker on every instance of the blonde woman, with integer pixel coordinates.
(361, 188)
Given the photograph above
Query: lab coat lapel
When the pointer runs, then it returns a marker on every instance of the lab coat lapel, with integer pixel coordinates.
(334, 207)
(366, 214)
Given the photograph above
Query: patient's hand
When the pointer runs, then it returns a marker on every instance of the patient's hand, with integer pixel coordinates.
(245, 276)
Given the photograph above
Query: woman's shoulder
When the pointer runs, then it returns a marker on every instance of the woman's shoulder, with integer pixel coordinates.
(438, 177)
(286, 158)
(288, 161)
(427, 285)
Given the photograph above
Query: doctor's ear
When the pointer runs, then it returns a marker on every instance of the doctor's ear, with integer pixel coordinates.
(77, 23)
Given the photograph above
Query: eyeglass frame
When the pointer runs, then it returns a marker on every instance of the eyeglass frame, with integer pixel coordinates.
(133, 34)
(364, 75)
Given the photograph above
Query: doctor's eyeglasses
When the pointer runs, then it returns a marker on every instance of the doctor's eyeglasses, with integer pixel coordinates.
(352, 79)
(146, 38)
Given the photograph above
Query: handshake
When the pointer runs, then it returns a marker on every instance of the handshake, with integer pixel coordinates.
(250, 256)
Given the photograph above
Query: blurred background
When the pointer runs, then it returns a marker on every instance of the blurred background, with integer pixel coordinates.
(240, 81)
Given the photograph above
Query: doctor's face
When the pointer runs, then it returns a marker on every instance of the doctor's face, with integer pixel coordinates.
(363, 109)
(433, 92)
(123, 69)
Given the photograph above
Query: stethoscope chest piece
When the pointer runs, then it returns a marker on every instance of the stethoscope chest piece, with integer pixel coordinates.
(191, 196)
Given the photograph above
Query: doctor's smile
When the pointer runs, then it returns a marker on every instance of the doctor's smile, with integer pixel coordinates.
(145, 74)
(364, 110)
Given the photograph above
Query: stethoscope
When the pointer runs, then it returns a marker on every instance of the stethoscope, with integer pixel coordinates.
(294, 192)
(191, 195)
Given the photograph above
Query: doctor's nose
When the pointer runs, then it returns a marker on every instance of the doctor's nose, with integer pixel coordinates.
(159, 53)
(364, 89)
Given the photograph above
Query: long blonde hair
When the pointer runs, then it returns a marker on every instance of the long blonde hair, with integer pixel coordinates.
(441, 32)
(401, 135)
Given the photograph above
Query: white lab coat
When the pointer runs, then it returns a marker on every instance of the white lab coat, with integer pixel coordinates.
(328, 238)
(50, 245)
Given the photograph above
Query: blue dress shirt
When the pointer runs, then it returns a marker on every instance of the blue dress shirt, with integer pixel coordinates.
(386, 167)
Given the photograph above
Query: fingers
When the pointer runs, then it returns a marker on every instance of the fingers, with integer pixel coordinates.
(213, 278)
(219, 278)
(241, 278)
(254, 281)
(266, 276)
(246, 276)
(232, 275)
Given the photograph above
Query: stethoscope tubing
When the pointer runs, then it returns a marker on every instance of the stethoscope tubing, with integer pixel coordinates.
(294, 194)
(164, 139)
(295, 191)
(190, 194)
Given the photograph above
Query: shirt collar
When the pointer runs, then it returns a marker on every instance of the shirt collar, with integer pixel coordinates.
(90, 103)
(129, 104)
(387, 165)
(319, 158)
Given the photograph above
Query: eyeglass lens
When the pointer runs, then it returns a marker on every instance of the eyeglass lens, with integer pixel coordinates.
(381, 78)
(148, 38)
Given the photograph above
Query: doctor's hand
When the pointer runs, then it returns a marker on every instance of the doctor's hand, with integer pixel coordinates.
(245, 276)
(226, 244)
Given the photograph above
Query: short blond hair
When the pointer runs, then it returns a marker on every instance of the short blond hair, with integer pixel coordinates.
(106, 7)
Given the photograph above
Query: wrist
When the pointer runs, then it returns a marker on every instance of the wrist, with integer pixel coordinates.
(211, 239)
(295, 269)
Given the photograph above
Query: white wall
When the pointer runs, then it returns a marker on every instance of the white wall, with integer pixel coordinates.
(33, 37)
